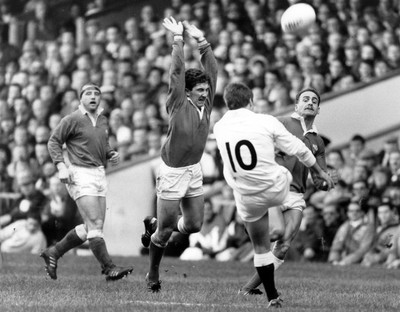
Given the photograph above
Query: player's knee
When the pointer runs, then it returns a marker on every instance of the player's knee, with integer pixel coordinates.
(161, 238)
(194, 226)
(162, 235)
(98, 224)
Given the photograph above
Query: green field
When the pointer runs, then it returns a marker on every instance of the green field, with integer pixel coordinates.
(191, 286)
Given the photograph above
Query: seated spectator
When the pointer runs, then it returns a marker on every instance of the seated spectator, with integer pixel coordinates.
(393, 260)
(385, 230)
(23, 235)
(353, 239)
(30, 201)
(379, 182)
(307, 244)
(238, 244)
(356, 145)
(60, 214)
(335, 159)
(390, 145)
(331, 222)
(394, 166)
(224, 202)
(208, 242)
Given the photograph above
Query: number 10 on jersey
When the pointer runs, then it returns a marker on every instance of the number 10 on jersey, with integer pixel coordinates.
(236, 153)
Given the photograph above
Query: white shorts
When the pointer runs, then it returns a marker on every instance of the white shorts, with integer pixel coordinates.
(87, 182)
(254, 206)
(177, 183)
(294, 201)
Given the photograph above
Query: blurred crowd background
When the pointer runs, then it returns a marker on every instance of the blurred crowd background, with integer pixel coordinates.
(49, 49)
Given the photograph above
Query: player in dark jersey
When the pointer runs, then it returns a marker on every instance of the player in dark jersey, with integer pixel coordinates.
(179, 179)
(85, 134)
(300, 124)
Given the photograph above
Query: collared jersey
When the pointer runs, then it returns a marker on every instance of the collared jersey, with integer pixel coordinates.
(247, 143)
(86, 140)
(188, 126)
(312, 140)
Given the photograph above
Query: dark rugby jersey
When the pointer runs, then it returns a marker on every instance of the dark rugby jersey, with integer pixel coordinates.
(187, 130)
(314, 142)
(87, 145)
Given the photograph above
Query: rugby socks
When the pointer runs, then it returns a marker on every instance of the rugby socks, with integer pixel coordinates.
(155, 254)
(70, 240)
(98, 246)
(265, 268)
(255, 280)
(266, 274)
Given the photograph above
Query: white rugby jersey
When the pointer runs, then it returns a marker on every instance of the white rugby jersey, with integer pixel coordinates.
(247, 143)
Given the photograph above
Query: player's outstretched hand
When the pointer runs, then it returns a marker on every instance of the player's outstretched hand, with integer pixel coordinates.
(325, 176)
(193, 31)
(173, 26)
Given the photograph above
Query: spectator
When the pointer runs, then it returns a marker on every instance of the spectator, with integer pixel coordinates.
(394, 166)
(384, 232)
(390, 145)
(307, 244)
(356, 145)
(238, 244)
(353, 239)
(30, 201)
(331, 222)
(393, 260)
(60, 215)
(24, 235)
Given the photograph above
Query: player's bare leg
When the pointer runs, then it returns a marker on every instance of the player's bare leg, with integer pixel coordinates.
(169, 220)
(93, 210)
(167, 213)
(292, 219)
(263, 258)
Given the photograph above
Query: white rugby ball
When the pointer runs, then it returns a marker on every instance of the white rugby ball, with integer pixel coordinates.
(298, 17)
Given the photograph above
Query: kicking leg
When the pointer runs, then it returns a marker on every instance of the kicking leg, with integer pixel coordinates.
(263, 258)
(276, 230)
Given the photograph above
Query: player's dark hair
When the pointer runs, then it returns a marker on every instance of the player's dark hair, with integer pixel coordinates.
(308, 89)
(237, 95)
(195, 76)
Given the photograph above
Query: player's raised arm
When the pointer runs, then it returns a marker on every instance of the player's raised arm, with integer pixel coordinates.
(208, 61)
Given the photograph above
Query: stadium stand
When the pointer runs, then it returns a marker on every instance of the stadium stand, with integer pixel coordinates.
(51, 48)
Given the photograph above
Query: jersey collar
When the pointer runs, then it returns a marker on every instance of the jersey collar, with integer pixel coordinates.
(199, 110)
(303, 124)
(84, 111)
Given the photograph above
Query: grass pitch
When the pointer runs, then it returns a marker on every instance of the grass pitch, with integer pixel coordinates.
(191, 286)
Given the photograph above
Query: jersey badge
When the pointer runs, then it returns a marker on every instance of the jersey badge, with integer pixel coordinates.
(315, 147)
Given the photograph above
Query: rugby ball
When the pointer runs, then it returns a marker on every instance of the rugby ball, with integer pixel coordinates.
(297, 18)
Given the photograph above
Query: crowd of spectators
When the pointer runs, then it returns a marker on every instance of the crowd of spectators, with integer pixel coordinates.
(352, 42)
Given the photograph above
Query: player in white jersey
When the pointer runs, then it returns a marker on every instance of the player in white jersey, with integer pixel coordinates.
(247, 142)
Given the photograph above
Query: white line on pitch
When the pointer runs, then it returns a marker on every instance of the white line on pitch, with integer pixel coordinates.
(212, 305)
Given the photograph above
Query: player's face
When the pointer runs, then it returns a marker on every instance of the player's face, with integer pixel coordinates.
(308, 104)
(199, 94)
(91, 100)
